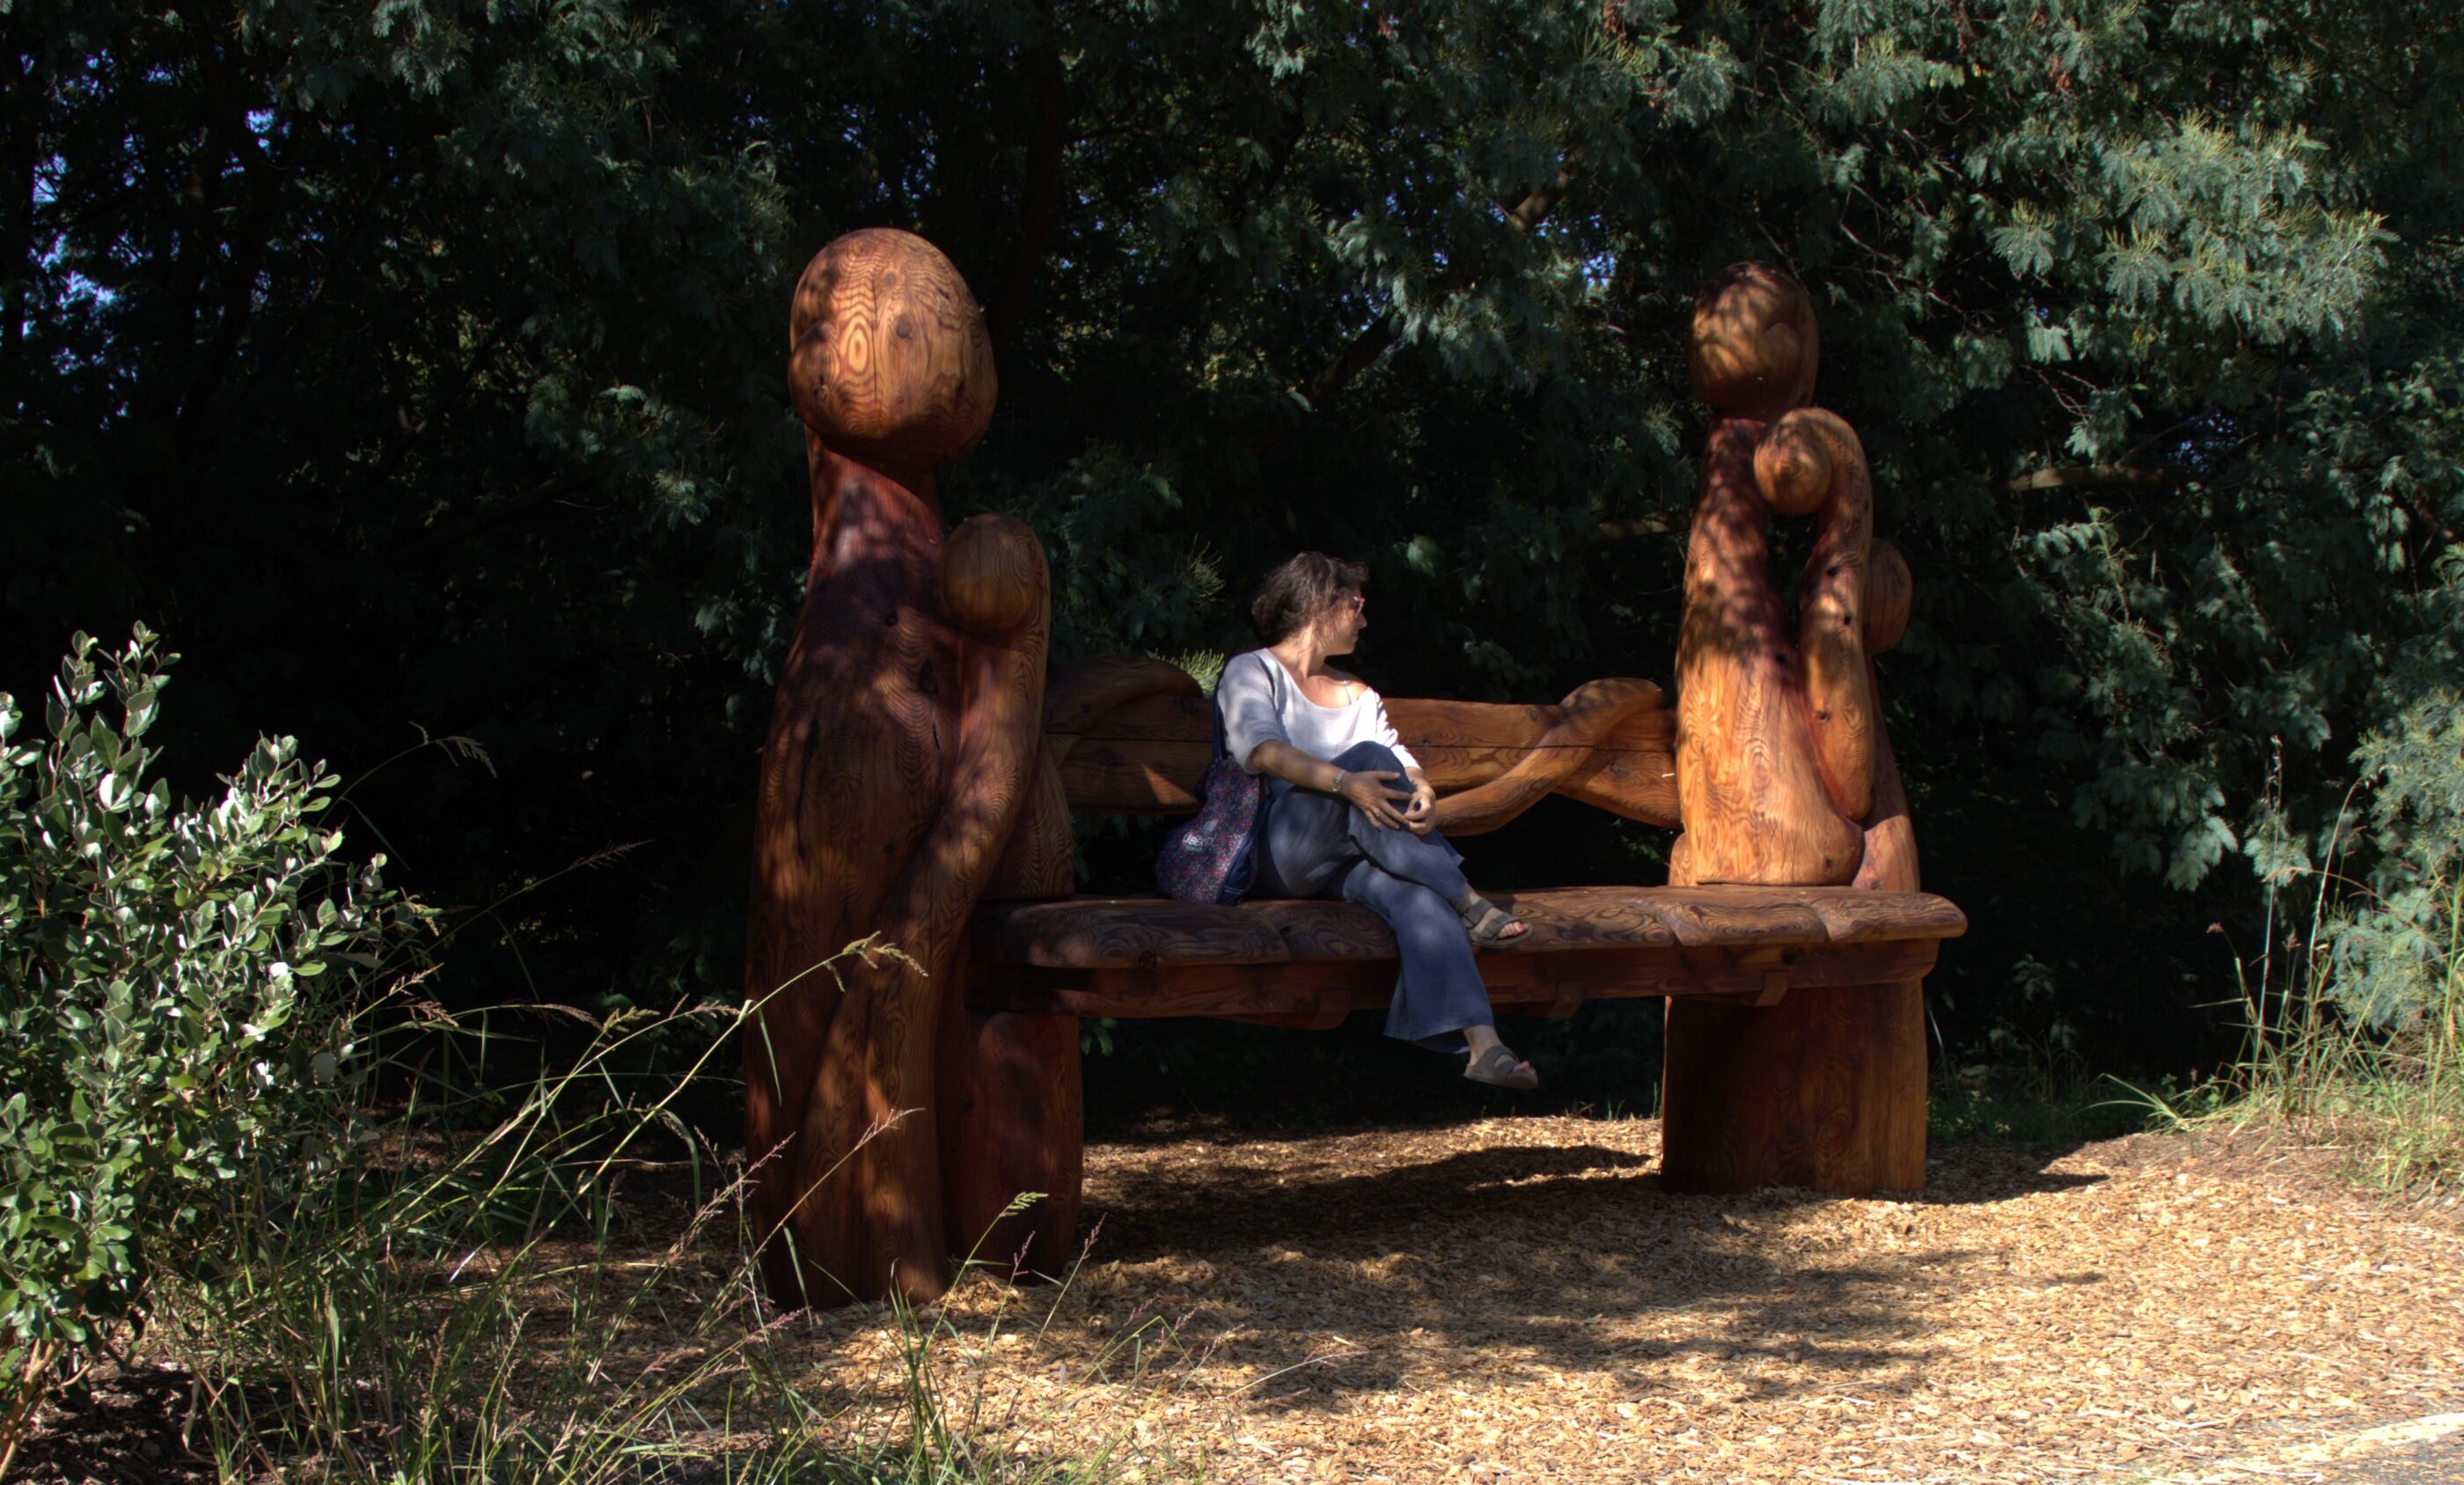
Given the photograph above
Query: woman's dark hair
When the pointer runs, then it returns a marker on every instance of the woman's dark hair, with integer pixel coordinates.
(1301, 589)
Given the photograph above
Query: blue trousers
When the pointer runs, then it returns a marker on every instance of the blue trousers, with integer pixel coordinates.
(1315, 845)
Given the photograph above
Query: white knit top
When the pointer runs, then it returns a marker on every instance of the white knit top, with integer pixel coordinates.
(1258, 699)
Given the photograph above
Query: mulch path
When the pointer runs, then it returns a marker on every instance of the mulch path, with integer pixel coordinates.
(1518, 1300)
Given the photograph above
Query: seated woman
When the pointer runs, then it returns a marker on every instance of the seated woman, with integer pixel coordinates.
(1333, 824)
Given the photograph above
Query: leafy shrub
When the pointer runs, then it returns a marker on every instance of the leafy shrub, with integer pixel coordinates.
(175, 985)
(2394, 949)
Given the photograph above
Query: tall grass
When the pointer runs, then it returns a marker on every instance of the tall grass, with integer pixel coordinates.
(479, 1302)
(2391, 1100)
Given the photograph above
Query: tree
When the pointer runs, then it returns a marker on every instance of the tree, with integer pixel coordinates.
(423, 366)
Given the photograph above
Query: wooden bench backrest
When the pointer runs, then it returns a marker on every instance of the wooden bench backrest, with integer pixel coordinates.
(1131, 736)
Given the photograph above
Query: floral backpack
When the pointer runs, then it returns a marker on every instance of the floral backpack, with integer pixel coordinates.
(1210, 860)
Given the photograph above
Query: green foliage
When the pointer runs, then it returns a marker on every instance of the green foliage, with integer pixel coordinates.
(2029, 1106)
(424, 362)
(2387, 924)
(2394, 958)
(2323, 1060)
(175, 983)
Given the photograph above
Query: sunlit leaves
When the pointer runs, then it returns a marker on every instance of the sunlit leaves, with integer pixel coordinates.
(160, 1001)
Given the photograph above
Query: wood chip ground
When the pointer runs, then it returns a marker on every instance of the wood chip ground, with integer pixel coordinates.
(1518, 1300)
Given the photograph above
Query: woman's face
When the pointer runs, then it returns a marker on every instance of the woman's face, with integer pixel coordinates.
(1343, 623)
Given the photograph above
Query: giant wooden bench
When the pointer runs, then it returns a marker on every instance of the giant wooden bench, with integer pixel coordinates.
(921, 772)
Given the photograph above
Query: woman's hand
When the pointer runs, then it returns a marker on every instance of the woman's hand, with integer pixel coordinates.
(1365, 791)
(1421, 815)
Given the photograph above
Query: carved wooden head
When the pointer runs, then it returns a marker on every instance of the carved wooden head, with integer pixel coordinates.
(1793, 464)
(992, 575)
(889, 361)
(1755, 343)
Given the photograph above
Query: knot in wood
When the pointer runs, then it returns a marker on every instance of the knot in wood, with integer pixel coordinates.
(889, 361)
(1755, 343)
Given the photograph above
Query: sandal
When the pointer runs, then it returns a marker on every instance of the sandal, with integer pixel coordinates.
(1487, 923)
(1500, 1068)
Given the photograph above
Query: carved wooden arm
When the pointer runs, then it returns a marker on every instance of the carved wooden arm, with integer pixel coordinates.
(1782, 762)
(1131, 734)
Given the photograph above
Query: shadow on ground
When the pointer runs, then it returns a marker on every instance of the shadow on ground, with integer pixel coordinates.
(1531, 1257)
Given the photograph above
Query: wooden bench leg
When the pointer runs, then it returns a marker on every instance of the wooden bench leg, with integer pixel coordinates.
(1010, 1122)
(1826, 1089)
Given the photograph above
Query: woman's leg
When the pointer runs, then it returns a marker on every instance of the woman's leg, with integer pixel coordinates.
(1438, 997)
(1318, 845)
(1303, 846)
(1425, 859)
(1310, 837)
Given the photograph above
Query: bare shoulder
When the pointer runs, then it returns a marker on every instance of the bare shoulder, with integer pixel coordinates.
(1353, 687)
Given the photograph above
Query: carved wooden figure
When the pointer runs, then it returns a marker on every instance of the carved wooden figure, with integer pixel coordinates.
(1783, 774)
(900, 747)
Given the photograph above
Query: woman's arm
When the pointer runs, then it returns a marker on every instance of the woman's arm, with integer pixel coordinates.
(1363, 789)
(1418, 815)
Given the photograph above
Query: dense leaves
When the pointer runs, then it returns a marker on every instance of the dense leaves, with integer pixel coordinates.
(173, 980)
(420, 364)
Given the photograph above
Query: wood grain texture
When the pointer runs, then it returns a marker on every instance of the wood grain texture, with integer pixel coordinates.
(852, 775)
(1840, 715)
(900, 748)
(1890, 859)
(889, 361)
(1319, 928)
(1609, 745)
(1123, 931)
(1104, 933)
(1891, 592)
(1143, 756)
(1633, 773)
(993, 583)
(1310, 991)
(893, 1039)
(1580, 722)
(1816, 1092)
(1753, 801)
(1826, 1087)
(1039, 861)
(1630, 769)
(1556, 919)
(1012, 1124)
(1892, 1112)
(1755, 343)
(1085, 690)
(1758, 917)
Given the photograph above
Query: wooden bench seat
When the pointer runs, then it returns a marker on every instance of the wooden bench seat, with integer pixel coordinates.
(1122, 734)
(1148, 956)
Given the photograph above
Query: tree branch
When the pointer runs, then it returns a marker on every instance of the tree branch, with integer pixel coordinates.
(1659, 524)
(2089, 477)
